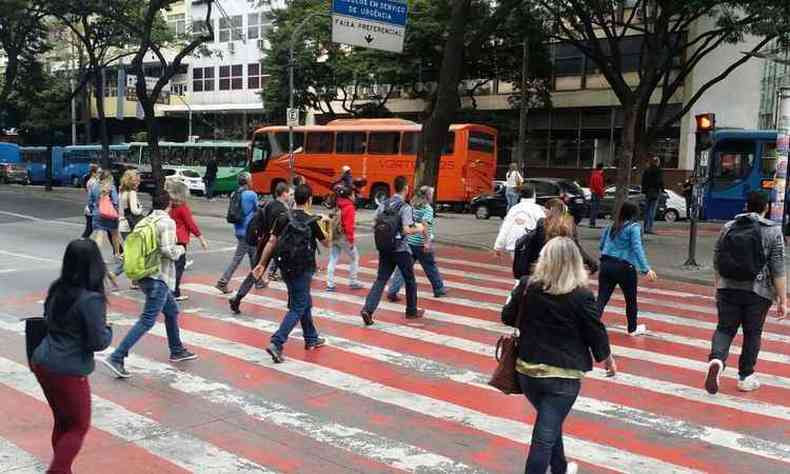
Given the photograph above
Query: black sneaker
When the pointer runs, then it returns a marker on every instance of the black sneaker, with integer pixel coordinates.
(276, 353)
(116, 368)
(440, 293)
(393, 298)
(416, 315)
(223, 287)
(366, 317)
(182, 356)
(309, 346)
(234, 305)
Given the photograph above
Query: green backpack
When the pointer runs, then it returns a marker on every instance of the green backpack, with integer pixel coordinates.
(141, 255)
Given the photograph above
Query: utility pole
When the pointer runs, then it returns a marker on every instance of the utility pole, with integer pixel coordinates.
(524, 109)
(706, 125)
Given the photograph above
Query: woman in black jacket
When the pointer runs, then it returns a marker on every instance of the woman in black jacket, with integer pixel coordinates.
(75, 311)
(560, 333)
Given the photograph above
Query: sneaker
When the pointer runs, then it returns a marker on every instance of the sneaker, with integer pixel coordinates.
(417, 315)
(189, 264)
(572, 468)
(331, 289)
(356, 286)
(223, 287)
(314, 345)
(748, 384)
(182, 356)
(393, 298)
(366, 317)
(640, 330)
(440, 293)
(116, 368)
(276, 353)
(274, 276)
(181, 298)
(134, 286)
(260, 285)
(715, 368)
(234, 305)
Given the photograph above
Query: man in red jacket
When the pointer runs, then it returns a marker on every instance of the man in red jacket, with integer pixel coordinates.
(596, 186)
(343, 223)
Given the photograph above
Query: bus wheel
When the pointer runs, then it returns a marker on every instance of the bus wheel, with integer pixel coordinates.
(75, 181)
(379, 194)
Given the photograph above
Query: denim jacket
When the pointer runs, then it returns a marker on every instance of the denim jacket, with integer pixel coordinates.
(627, 245)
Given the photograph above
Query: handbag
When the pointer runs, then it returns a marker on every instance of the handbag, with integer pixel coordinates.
(505, 377)
(107, 210)
(131, 218)
(35, 332)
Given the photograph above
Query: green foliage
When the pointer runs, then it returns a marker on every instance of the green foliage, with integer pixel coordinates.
(23, 35)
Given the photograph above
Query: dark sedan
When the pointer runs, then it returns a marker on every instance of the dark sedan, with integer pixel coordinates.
(14, 173)
(495, 204)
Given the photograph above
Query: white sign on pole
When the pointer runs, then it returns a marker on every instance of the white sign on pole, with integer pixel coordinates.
(375, 24)
(293, 118)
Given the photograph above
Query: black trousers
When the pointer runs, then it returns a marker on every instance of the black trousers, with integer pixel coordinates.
(388, 262)
(615, 272)
(250, 280)
(181, 264)
(739, 308)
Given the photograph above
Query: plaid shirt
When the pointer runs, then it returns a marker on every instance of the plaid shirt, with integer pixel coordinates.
(166, 229)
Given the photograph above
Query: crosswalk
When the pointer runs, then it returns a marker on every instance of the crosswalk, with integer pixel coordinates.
(403, 395)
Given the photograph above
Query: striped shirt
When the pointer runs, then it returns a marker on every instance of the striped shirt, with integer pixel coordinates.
(424, 215)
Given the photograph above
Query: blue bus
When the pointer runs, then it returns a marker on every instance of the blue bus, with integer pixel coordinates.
(35, 157)
(9, 152)
(77, 160)
(741, 161)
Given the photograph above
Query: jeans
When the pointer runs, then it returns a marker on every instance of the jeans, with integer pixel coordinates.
(512, 196)
(210, 188)
(428, 263)
(69, 398)
(181, 264)
(595, 208)
(651, 206)
(387, 264)
(300, 305)
(614, 272)
(553, 399)
(338, 247)
(242, 249)
(158, 299)
(739, 308)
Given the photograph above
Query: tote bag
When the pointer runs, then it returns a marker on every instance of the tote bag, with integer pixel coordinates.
(106, 209)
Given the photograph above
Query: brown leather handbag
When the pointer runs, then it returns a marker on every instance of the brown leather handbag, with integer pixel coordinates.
(505, 377)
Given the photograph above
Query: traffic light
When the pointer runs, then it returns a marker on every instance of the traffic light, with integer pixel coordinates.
(706, 124)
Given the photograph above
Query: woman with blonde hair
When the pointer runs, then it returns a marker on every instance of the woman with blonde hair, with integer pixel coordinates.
(132, 210)
(560, 334)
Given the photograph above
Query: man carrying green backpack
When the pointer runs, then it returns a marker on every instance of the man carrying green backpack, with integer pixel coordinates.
(149, 259)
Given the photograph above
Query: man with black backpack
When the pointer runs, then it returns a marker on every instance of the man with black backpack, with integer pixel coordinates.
(258, 233)
(241, 209)
(394, 221)
(293, 244)
(749, 259)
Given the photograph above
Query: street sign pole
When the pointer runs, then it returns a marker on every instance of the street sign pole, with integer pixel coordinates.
(699, 163)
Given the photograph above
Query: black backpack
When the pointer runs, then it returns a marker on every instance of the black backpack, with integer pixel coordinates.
(256, 229)
(741, 256)
(527, 249)
(235, 212)
(295, 249)
(387, 228)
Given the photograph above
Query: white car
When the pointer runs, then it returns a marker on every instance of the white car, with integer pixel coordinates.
(675, 207)
(191, 178)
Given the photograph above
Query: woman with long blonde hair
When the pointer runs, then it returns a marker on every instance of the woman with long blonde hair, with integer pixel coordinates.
(132, 210)
(560, 334)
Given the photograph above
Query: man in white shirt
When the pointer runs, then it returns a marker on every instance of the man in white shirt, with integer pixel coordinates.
(521, 218)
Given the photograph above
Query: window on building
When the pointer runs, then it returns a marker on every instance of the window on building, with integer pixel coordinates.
(177, 24)
(351, 143)
(384, 143)
(320, 142)
(254, 76)
(200, 27)
(202, 79)
(231, 77)
(254, 21)
(230, 28)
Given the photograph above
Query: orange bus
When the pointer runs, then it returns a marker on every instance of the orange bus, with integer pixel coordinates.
(377, 150)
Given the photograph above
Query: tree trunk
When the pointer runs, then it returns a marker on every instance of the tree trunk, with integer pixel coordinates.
(152, 128)
(524, 108)
(435, 127)
(630, 122)
(87, 115)
(98, 82)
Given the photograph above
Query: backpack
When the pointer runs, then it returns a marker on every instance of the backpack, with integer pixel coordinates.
(256, 229)
(527, 249)
(235, 212)
(387, 228)
(141, 256)
(295, 249)
(741, 256)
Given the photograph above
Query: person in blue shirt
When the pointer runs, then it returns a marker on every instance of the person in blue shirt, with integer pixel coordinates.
(622, 255)
(249, 204)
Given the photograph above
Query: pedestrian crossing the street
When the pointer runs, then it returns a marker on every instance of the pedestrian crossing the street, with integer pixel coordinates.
(401, 395)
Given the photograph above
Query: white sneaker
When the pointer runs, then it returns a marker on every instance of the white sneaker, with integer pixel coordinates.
(189, 264)
(640, 330)
(181, 298)
(573, 468)
(715, 368)
(749, 384)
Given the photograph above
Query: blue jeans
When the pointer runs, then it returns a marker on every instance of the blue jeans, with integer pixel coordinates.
(158, 299)
(387, 264)
(595, 208)
(553, 399)
(300, 305)
(512, 196)
(651, 206)
(338, 247)
(428, 263)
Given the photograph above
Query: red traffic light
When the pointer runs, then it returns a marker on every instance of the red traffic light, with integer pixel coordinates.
(705, 122)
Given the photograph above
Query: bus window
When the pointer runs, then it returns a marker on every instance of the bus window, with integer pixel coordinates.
(410, 143)
(734, 162)
(237, 157)
(449, 144)
(261, 152)
(320, 142)
(350, 143)
(481, 141)
(770, 160)
(281, 142)
(384, 143)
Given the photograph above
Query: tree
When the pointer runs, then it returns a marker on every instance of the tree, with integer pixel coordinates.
(670, 49)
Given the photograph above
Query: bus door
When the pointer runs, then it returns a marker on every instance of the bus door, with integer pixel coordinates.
(260, 154)
(734, 174)
(480, 163)
(58, 175)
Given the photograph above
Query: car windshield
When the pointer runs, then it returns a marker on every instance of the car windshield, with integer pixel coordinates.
(571, 187)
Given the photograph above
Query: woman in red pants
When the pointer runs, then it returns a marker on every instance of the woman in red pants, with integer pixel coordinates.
(75, 311)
